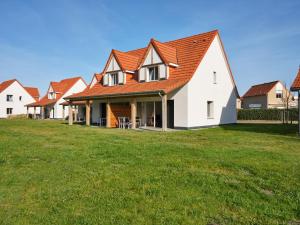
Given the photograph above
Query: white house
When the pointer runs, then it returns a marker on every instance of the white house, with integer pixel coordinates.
(184, 84)
(14, 96)
(51, 104)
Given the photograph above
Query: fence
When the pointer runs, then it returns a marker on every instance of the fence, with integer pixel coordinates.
(283, 115)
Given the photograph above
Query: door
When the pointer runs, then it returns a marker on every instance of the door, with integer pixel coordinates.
(170, 113)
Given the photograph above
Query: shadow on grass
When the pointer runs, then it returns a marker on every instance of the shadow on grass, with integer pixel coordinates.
(279, 129)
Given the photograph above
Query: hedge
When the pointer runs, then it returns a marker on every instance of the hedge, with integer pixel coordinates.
(267, 114)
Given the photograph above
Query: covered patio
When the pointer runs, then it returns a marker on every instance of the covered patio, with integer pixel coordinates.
(132, 112)
(46, 109)
(78, 110)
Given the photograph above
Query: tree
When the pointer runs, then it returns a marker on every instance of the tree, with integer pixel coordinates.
(287, 98)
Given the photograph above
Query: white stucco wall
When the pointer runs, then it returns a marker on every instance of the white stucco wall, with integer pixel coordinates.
(79, 86)
(113, 65)
(152, 57)
(18, 106)
(190, 102)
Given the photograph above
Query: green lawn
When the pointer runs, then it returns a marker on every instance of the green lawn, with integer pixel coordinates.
(52, 173)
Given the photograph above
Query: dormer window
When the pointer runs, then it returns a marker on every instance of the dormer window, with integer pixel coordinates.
(114, 79)
(153, 73)
(51, 95)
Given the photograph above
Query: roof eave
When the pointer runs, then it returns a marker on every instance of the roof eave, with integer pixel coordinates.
(115, 95)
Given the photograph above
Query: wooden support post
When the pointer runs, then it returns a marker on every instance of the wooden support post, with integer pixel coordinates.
(75, 113)
(154, 115)
(108, 113)
(42, 112)
(88, 113)
(133, 112)
(70, 114)
(299, 112)
(63, 113)
(164, 112)
(34, 112)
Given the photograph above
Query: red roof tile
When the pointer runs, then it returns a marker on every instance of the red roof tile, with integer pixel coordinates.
(260, 89)
(296, 83)
(126, 61)
(6, 84)
(34, 92)
(186, 52)
(60, 88)
(166, 52)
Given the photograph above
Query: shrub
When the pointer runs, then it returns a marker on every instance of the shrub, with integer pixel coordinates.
(267, 114)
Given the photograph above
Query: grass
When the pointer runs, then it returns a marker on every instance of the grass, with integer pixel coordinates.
(51, 173)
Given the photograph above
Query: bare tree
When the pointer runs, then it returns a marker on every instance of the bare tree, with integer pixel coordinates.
(287, 98)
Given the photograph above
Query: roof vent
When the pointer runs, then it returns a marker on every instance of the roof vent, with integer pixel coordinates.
(195, 41)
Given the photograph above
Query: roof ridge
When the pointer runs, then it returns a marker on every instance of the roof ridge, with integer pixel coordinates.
(275, 81)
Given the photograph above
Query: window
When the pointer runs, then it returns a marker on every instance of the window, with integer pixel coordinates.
(279, 95)
(210, 109)
(114, 79)
(215, 77)
(51, 95)
(153, 73)
(9, 111)
(20, 98)
(9, 98)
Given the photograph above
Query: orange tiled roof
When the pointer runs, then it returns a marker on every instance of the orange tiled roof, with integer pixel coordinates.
(60, 88)
(34, 92)
(296, 84)
(260, 89)
(186, 52)
(6, 84)
(73, 103)
(126, 61)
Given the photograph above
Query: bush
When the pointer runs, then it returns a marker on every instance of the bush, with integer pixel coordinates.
(267, 114)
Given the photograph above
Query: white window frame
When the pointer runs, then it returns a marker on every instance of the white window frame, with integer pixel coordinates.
(210, 109)
(9, 98)
(157, 75)
(279, 93)
(114, 82)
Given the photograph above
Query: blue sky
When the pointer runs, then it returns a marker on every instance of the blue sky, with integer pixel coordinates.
(41, 40)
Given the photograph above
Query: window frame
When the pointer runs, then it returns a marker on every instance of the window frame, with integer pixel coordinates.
(210, 109)
(9, 98)
(112, 76)
(279, 94)
(156, 67)
(214, 77)
(9, 111)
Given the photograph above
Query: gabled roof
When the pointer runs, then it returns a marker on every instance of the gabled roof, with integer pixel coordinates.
(260, 89)
(296, 84)
(167, 53)
(6, 84)
(126, 61)
(60, 88)
(186, 52)
(34, 92)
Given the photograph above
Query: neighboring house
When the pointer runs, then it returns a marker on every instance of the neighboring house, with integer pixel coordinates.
(51, 104)
(296, 87)
(14, 96)
(185, 83)
(267, 95)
